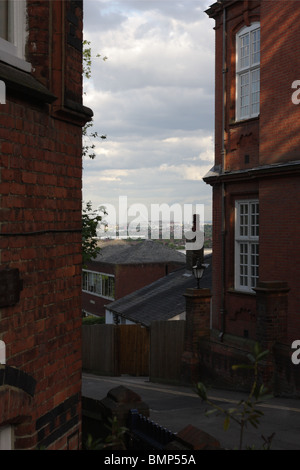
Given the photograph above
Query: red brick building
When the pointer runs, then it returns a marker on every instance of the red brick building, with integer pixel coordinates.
(122, 268)
(255, 181)
(40, 235)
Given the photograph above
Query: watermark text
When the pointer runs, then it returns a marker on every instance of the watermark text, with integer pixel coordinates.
(156, 222)
(296, 354)
(296, 94)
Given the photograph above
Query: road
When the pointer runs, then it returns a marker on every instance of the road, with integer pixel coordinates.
(176, 407)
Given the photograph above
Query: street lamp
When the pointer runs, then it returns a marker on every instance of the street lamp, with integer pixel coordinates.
(198, 271)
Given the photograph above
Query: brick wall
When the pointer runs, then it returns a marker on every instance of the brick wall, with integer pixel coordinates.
(133, 277)
(40, 216)
(280, 67)
(240, 138)
(261, 160)
(279, 237)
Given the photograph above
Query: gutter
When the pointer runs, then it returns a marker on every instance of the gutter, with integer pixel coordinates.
(216, 176)
(223, 232)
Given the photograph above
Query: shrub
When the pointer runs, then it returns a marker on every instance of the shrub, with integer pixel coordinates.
(90, 320)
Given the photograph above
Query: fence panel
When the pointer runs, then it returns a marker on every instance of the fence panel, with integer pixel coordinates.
(116, 349)
(99, 349)
(166, 349)
(133, 350)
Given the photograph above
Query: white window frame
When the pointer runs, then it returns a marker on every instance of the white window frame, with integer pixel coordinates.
(6, 437)
(2, 352)
(94, 284)
(246, 244)
(248, 72)
(12, 49)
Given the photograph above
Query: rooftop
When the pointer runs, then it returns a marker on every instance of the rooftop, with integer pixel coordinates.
(162, 299)
(141, 252)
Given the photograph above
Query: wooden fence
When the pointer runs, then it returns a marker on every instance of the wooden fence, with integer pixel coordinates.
(166, 349)
(116, 349)
(133, 341)
(99, 349)
(134, 350)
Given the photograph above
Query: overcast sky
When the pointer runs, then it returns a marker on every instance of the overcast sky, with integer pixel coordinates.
(153, 98)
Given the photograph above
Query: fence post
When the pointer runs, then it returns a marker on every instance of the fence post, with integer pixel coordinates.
(272, 313)
(197, 326)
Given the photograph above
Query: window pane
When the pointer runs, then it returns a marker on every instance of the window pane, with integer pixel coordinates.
(244, 95)
(244, 51)
(111, 287)
(91, 282)
(84, 280)
(243, 264)
(248, 79)
(105, 287)
(247, 247)
(255, 47)
(254, 264)
(243, 222)
(98, 284)
(254, 220)
(255, 91)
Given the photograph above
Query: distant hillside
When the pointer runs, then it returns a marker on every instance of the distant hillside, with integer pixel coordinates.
(178, 244)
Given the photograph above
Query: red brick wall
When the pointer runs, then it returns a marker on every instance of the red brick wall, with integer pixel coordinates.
(280, 67)
(131, 278)
(279, 241)
(273, 138)
(40, 170)
(240, 138)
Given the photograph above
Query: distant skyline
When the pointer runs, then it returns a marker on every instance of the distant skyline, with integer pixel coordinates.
(153, 98)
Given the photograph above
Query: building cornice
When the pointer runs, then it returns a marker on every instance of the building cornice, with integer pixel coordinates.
(218, 6)
(216, 176)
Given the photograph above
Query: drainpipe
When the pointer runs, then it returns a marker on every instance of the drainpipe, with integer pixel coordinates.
(222, 311)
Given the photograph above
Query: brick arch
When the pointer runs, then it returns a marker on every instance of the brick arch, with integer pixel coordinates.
(16, 395)
(15, 405)
(253, 18)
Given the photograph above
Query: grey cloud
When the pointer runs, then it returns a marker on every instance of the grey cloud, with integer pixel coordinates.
(186, 10)
(98, 18)
(154, 98)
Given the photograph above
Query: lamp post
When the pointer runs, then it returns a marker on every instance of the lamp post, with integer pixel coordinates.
(198, 271)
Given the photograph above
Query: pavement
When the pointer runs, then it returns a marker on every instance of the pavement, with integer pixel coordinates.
(174, 407)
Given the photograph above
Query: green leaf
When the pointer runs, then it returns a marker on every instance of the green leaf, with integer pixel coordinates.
(226, 423)
(210, 412)
(201, 390)
(262, 355)
(232, 410)
(256, 349)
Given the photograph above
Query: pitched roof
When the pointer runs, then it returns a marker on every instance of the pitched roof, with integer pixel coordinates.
(142, 252)
(160, 300)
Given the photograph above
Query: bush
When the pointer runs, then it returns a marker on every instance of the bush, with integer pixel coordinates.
(93, 320)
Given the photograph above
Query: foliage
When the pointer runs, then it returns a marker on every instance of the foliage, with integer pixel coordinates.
(115, 438)
(91, 320)
(90, 221)
(246, 412)
(88, 147)
(87, 59)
